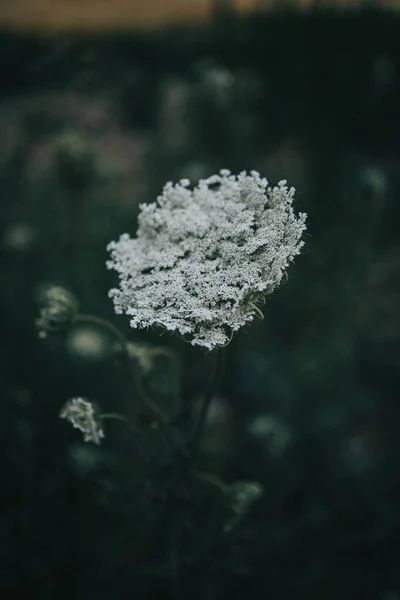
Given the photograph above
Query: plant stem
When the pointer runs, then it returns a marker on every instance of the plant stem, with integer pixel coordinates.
(115, 416)
(207, 399)
(82, 318)
(212, 480)
(158, 413)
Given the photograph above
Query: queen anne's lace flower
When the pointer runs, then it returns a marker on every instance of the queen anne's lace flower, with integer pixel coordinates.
(202, 258)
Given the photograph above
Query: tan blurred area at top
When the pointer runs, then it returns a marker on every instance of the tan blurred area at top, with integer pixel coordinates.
(64, 15)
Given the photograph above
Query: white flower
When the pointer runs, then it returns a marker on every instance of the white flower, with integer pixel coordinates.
(202, 258)
(84, 415)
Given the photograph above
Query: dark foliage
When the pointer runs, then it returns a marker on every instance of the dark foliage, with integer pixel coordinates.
(309, 406)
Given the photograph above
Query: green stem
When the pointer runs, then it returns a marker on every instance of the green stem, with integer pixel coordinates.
(212, 480)
(158, 413)
(115, 416)
(257, 310)
(207, 399)
(83, 318)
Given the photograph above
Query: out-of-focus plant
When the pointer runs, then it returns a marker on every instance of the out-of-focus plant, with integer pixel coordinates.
(202, 263)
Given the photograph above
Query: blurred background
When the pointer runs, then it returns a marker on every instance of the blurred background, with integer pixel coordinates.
(101, 103)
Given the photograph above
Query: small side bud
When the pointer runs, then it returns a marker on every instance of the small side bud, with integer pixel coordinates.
(240, 496)
(85, 416)
(58, 312)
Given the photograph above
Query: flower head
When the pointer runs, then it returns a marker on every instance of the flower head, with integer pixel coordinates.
(84, 415)
(60, 308)
(202, 258)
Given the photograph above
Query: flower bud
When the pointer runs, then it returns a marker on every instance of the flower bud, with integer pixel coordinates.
(240, 497)
(58, 312)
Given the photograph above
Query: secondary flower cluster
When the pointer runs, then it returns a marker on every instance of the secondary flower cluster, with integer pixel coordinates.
(203, 257)
(84, 415)
(59, 310)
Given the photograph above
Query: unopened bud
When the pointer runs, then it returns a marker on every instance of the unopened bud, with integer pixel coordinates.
(58, 312)
(240, 497)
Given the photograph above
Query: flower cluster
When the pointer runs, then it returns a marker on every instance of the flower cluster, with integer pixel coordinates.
(84, 415)
(204, 257)
(59, 310)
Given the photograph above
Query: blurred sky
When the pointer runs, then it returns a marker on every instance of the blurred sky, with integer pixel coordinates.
(107, 14)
